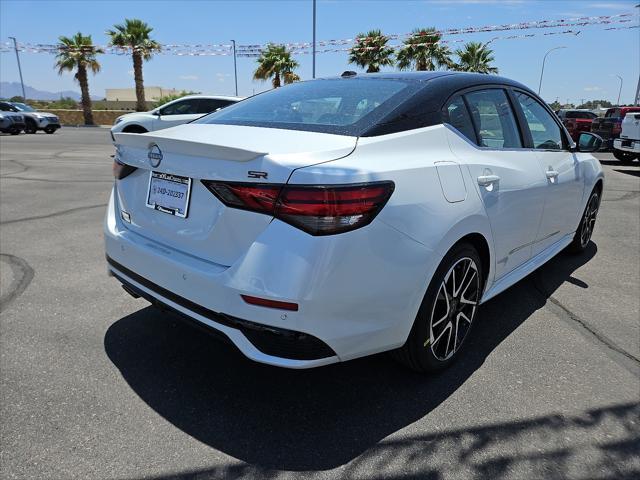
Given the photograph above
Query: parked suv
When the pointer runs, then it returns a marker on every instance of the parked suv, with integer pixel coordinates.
(338, 218)
(10, 121)
(170, 114)
(577, 121)
(35, 120)
(627, 147)
(610, 126)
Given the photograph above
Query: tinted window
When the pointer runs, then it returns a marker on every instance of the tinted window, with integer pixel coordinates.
(208, 105)
(580, 115)
(458, 117)
(340, 106)
(545, 132)
(6, 107)
(493, 118)
(184, 107)
(614, 112)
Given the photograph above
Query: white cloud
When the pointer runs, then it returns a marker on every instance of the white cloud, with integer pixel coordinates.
(592, 89)
(610, 5)
(188, 77)
(130, 73)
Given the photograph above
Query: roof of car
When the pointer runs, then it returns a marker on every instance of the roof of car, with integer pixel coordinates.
(215, 97)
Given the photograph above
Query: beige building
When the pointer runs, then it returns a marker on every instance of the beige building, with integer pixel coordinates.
(129, 94)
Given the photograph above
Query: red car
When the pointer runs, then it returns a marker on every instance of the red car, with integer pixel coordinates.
(610, 126)
(577, 121)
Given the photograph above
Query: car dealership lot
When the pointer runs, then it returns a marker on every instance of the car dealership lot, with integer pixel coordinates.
(97, 384)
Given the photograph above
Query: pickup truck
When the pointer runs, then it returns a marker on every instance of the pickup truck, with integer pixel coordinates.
(627, 147)
(610, 126)
(576, 121)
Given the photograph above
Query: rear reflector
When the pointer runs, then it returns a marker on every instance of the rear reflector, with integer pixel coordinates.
(316, 209)
(263, 302)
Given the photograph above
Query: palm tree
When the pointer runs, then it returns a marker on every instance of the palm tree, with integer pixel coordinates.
(275, 61)
(423, 52)
(78, 53)
(371, 51)
(476, 57)
(134, 35)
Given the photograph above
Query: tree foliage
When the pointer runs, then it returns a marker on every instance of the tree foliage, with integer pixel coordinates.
(77, 53)
(475, 57)
(135, 35)
(371, 51)
(421, 51)
(276, 63)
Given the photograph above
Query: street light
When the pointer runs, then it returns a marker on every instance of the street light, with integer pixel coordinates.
(235, 67)
(313, 63)
(15, 47)
(543, 62)
(620, 90)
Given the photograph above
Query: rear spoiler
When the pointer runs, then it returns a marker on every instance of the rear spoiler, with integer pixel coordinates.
(172, 144)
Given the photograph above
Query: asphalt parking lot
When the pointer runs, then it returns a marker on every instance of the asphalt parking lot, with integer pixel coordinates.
(95, 384)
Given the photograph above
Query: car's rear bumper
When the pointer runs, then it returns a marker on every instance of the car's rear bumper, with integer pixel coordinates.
(625, 145)
(358, 293)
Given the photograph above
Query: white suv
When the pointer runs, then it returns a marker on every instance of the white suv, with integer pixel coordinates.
(627, 147)
(176, 112)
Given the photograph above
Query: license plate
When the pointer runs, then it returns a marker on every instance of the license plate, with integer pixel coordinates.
(169, 193)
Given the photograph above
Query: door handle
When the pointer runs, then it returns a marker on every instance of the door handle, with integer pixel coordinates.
(486, 180)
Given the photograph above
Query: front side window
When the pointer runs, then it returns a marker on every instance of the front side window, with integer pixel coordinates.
(458, 117)
(545, 132)
(338, 106)
(493, 118)
(185, 107)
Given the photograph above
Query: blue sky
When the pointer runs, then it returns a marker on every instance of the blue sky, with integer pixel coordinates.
(585, 69)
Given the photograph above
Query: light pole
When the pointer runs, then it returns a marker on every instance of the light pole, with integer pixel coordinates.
(620, 89)
(235, 67)
(15, 47)
(313, 63)
(543, 62)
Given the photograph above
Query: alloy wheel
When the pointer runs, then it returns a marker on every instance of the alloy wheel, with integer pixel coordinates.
(454, 308)
(589, 220)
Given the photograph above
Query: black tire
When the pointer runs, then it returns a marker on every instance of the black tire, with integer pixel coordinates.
(15, 131)
(424, 351)
(624, 157)
(50, 130)
(30, 127)
(583, 234)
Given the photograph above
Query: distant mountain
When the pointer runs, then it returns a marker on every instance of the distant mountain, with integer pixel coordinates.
(12, 89)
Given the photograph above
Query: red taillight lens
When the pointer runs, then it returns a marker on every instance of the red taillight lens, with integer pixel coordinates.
(616, 128)
(121, 170)
(316, 209)
(264, 302)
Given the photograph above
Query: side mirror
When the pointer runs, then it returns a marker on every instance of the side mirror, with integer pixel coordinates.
(589, 142)
(157, 113)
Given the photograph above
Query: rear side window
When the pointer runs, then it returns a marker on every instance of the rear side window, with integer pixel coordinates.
(545, 132)
(458, 117)
(493, 119)
(580, 115)
(208, 105)
(614, 112)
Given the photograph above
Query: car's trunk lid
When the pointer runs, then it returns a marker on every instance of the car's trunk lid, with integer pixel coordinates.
(211, 230)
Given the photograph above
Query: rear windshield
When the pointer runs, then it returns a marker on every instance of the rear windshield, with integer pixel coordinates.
(339, 106)
(580, 115)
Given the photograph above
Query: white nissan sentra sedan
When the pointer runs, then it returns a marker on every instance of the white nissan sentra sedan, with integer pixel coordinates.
(336, 218)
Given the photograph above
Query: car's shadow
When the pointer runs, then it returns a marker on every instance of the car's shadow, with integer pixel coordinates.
(315, 419)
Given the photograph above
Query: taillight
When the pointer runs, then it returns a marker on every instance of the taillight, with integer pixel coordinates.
(617, 127)
(121, 170)
(315, 209)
